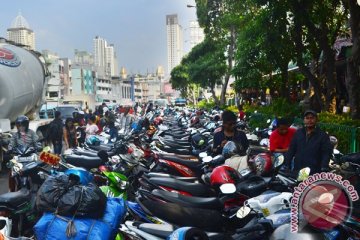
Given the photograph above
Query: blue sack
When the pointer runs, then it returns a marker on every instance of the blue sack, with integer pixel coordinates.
(55, 227)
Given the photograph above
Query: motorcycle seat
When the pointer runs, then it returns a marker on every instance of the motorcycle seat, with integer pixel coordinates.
(160, 230)
(92, 153)
(102, 147)
(84, 161)
(352, 158)
(188, 201)
(206, 219)
(173, 144)
(155, 174)
(195, 189)
(180, 151)
(14, 200)
(174, 140)
(188, 163)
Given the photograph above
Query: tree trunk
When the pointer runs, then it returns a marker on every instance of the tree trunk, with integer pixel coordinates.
(331, 85)
(230, 59)
(216, 100)
(284, 80)
(300, 49)
(353, 62)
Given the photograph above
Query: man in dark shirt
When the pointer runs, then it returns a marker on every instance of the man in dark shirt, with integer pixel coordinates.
(228, 132)
(310, 146)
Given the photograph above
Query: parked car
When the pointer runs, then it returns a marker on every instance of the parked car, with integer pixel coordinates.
(67, 111)
(180, 102)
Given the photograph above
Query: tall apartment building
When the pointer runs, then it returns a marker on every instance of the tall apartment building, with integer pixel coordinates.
(196, 34)
(105, 58)
(174, 41)
(83, 57)
(20, 32)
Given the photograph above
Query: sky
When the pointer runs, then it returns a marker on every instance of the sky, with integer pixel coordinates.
(137, 28)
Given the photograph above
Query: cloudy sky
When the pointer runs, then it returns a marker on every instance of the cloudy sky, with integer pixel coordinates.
(137, 28)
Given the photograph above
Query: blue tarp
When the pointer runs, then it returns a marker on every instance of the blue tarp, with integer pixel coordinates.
(53, 227)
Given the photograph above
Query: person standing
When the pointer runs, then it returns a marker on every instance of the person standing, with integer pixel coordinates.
(70, 134)
(310, 146)
(55, 133)
(241, 113)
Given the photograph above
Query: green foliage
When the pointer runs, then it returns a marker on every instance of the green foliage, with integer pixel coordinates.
(232, 108)
(341, 119)
(180, 78)
(208, 105)
(280, 107)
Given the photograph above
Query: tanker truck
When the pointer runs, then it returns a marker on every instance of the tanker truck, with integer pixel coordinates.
(23, 79)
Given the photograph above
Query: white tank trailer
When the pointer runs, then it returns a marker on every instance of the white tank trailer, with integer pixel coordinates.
(22, 81)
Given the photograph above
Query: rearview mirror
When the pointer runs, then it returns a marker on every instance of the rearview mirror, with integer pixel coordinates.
(207, 159)
(279, 160)
(303, 174)
(228, 188)
(268, 121)
(243, 212)
(257, 129)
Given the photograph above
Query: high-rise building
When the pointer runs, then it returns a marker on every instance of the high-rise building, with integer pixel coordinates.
(55, 87)
(105, 58)
(174, 41)
(20, 32)
(196, 34)
(83, 58)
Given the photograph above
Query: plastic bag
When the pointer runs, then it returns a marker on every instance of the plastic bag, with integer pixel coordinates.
(60, 195)
(53, 227)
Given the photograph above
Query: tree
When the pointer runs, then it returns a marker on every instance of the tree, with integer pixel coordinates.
(353, 62)
(180, 79)
(219, 21)
(207, 65)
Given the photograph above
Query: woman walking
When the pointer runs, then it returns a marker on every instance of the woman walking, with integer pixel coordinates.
(70, 134)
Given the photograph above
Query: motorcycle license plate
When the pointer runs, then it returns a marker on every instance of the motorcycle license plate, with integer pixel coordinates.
(266, 212)
(152, 165)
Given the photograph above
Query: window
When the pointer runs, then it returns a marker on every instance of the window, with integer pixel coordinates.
(53, 94)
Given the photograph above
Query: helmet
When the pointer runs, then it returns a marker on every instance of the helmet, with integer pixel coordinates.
(241, 125)
(199, 141)
(333, 141)
(224, 174)
(231, 148)
(93, 140)
(261, 163)
(188, 233)
(194, 120)
(158, 120)
(80, 174)
(22, 121)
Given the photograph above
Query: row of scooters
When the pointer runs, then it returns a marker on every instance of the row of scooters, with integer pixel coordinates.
(174, 190)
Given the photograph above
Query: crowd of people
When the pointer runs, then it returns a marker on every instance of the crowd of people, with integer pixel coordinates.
(87, 123)
(308, 146)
